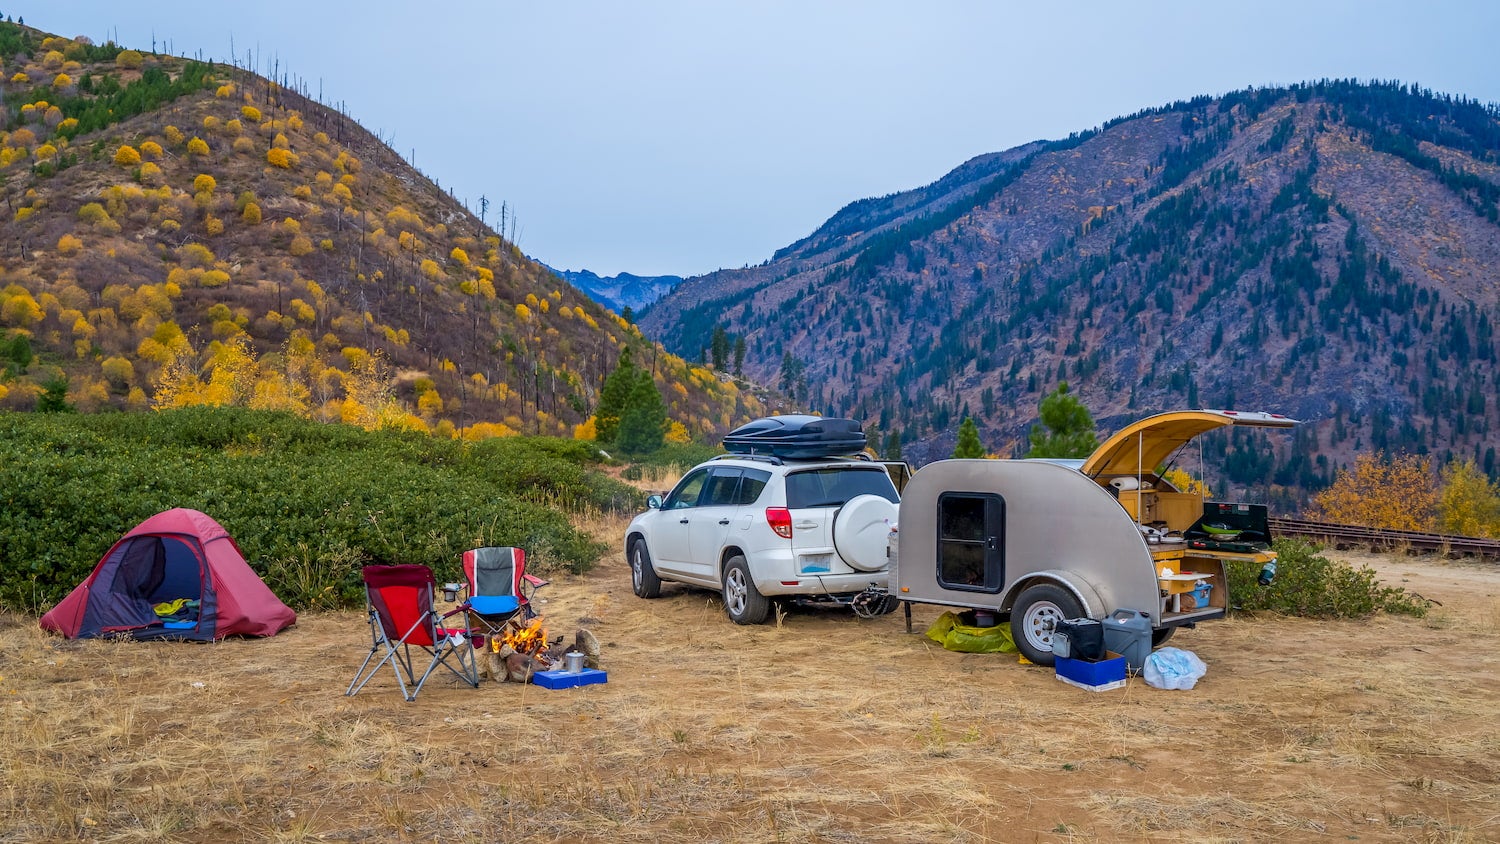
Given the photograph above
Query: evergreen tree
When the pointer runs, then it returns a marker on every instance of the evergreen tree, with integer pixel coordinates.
(892, 449)
(54, 397)
(643, 426)
(968, 440)
(739, 355)
(1069, 427)
(615, 397)
(719, 347)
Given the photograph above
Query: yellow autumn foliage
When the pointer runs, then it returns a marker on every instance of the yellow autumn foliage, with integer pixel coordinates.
(1395, 493)
(1469, 504)
(127, 156)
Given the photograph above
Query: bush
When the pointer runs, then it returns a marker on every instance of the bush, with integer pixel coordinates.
(308, 503)
(1308, 584)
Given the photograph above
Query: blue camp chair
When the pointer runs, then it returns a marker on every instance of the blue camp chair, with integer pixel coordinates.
(499, 591)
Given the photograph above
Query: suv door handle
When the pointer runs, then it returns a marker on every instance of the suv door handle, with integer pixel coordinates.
(723, 521)
(682, 521)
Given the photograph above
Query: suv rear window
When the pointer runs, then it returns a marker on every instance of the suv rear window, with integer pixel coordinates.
(831, 487)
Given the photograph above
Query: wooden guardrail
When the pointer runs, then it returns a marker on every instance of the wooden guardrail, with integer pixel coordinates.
(1346, 536)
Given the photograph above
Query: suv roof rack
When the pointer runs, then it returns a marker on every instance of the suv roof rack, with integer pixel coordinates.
(763, 458)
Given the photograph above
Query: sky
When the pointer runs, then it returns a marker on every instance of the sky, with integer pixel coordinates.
(679, 137)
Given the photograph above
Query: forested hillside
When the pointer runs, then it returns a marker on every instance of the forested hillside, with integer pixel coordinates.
(180, 233)
(1330, 251)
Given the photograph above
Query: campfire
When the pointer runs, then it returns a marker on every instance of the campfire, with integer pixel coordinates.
(530, 640)
(520, 649)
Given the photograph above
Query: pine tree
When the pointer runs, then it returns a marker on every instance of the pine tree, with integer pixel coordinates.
(615, 397)
(643, 425)
(892, 450)
(1069, 427)
(719, 347)
(969, 445)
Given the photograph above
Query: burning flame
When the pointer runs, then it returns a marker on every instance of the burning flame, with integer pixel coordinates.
(527, 640)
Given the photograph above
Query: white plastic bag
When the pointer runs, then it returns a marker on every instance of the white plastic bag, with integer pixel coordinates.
(1173, 668)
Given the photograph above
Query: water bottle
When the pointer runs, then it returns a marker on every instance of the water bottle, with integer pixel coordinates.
(1267, 573)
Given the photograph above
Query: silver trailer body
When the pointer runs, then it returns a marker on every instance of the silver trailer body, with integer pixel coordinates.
(1043, 540)
(1009, 524)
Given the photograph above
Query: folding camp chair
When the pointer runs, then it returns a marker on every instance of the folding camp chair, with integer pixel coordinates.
(500, 590)
(402, 616)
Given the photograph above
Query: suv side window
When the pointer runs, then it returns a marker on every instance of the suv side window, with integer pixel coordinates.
(722, 485)
(831, 487)
(687, 492)
(753, 484)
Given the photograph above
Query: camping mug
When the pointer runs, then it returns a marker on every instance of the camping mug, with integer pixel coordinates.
(574, 662)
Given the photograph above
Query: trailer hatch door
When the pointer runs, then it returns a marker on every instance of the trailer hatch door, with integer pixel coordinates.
(1142, 446)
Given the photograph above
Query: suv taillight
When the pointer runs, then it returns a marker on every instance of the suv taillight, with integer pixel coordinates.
(780, 520)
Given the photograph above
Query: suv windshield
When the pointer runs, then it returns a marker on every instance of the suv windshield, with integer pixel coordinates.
(833, 486)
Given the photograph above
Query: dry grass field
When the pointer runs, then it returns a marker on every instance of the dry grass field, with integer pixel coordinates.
(823, 728)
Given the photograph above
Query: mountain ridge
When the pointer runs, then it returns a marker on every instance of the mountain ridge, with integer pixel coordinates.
(179, 232)
(1328, 249)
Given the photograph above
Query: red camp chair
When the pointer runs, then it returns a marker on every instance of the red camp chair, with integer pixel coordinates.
(500, 590)
(402, 616)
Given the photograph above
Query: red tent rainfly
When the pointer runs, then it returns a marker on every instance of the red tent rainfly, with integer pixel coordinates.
(177, 575)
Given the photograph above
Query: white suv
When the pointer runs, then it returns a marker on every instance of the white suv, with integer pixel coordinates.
(758, 527)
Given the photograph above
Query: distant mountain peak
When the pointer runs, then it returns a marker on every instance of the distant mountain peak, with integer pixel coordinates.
(618, 292)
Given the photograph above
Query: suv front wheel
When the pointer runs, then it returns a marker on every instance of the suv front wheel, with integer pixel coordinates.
(742, 601)
(643, 577)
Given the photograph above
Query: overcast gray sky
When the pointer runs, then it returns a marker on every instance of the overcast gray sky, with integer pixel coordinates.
(678, 137)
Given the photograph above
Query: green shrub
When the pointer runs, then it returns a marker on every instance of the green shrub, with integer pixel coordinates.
(1308, 584)
(309, 504)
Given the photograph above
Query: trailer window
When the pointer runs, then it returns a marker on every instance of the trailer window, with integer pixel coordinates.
(971, 541)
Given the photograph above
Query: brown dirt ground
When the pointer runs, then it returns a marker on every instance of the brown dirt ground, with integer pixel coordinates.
(822, 729)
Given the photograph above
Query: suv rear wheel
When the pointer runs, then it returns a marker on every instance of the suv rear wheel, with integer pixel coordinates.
(742, 601)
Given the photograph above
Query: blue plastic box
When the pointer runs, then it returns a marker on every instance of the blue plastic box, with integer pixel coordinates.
(1098, 676)
(560, 679)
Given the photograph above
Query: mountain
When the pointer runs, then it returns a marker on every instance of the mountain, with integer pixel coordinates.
(1327, 250)
(621, 291)
(179, 233)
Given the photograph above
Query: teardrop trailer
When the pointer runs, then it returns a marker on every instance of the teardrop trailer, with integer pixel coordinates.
(1041, 541)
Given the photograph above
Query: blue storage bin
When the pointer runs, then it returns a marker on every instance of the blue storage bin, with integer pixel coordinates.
(1095, 676)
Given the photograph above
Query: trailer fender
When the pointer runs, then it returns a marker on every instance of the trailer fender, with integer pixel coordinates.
(1088, 595)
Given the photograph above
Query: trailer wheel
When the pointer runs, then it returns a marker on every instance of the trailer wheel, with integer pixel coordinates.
(1036, 614)
(1160, 636)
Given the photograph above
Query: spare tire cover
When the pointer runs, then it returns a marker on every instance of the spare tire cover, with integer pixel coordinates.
(862, 531)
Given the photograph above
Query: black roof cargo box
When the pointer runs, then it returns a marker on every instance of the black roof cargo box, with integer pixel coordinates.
(795, 437)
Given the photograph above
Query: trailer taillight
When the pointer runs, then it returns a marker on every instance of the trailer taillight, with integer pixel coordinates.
(780, 520)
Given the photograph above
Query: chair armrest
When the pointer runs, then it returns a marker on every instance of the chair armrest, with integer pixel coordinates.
(536, 582)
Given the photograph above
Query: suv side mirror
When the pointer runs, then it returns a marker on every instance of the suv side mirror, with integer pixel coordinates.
(654, 502)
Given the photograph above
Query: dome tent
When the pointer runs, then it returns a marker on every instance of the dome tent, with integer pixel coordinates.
(186, 564)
